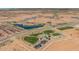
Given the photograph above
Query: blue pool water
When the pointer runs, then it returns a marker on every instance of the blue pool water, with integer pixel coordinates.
(29, 26)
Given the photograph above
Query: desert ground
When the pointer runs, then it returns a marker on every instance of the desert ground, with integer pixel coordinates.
(52, 20)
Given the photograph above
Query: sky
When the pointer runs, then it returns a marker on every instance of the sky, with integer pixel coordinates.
(39, 3)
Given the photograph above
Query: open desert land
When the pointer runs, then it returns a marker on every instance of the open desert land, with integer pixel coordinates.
(68, 43)
(39, 29)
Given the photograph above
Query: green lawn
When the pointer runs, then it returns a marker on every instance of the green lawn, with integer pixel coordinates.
(35, 34)
(48, 31)
(56, 34)
(31, 39)
(64, 28)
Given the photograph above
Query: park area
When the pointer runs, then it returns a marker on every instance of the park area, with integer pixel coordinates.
(38, 40)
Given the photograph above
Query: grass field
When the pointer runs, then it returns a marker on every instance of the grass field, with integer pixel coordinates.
(31, 39)
(36, 34)
(64, 28)
(56, 34)
(48, 31)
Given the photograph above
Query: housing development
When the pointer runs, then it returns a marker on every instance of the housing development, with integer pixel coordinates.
(41, 29)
